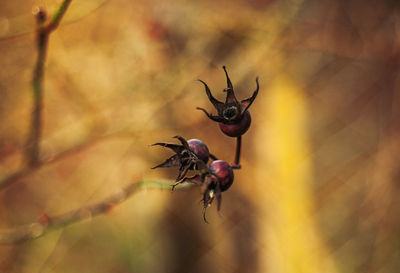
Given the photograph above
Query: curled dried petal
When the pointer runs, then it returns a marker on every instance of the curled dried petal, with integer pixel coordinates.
(214, 118)
(217, 104)
(173, 161)
(245, 104)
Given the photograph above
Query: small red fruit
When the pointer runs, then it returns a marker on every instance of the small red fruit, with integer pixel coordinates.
(199, 149)
(223, 171)
(237, 129)
(233, 115)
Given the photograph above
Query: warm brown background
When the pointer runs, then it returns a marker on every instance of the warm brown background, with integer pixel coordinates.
(319, 187)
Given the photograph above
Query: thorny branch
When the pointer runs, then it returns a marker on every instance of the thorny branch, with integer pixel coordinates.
(46, 223)
(43, 32)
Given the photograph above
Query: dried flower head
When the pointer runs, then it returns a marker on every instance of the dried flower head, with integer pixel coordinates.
(233, 115)
(189, 155)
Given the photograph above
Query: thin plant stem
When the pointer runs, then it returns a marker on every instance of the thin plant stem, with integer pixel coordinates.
(236, 165)
(42, 37)
(46, 223)
(58, 15)
(26, 171)
(213, 157)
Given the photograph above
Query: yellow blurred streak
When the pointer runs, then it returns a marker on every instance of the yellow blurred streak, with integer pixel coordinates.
(292, 239)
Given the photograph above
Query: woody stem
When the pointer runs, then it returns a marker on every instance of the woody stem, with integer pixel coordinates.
(43, 31)
(237, 155)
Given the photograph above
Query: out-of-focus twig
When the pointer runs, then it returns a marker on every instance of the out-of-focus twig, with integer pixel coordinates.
(46, 223)
(43, 31)
(55, 21)
(24, 172)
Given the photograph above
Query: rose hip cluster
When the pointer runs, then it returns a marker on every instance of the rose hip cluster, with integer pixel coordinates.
(193, 155)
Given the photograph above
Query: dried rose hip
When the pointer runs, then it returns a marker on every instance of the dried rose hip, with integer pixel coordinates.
(218, 179)
(190, 155)
(233, 116)
(234, 120)
(199, 149)
(237, 129)
(224, 173)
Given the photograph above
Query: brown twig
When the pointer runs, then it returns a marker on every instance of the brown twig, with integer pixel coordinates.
(24, 172)
(42, 37)
(46, 223)
(14, 177)
(236, 165)
(55, 21)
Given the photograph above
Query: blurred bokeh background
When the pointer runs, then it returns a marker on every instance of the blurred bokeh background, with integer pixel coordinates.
(319, 186)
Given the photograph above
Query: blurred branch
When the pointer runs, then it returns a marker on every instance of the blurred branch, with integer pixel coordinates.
(46, 223)
(42, 36)
(16, 177)
(24, 172)
(53, 24)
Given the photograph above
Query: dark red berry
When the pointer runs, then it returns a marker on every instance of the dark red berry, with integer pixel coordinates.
(233, 117)
(223, 171)
(199, 149)
(235, 130)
